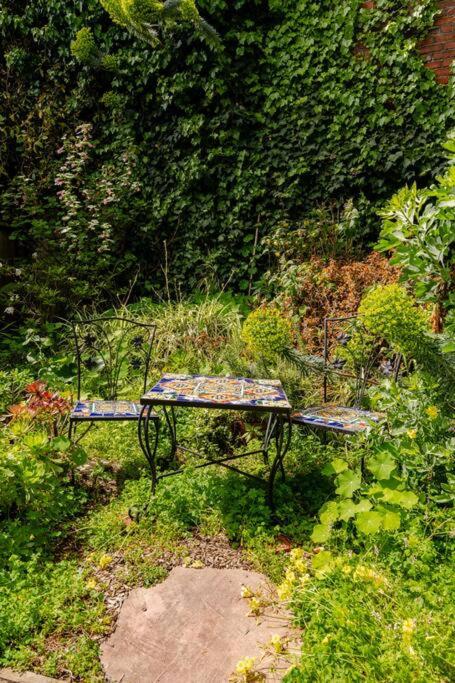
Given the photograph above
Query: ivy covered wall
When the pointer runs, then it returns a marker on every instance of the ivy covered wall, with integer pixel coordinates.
(306, 103)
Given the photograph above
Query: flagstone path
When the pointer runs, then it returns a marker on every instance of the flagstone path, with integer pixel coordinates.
(192, 628)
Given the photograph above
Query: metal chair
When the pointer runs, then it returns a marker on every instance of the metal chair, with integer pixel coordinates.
(111, 353)
(363, 365)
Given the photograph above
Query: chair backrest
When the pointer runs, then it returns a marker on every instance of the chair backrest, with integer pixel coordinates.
(111, 352)
(351, 352)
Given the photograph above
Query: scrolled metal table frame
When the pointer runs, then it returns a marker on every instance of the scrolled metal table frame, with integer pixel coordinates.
(278, 430)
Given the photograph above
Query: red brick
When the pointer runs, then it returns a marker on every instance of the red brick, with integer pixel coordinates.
(426, 49)
(444, 55)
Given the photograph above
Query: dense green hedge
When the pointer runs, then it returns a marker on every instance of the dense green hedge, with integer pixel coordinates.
(306, 102)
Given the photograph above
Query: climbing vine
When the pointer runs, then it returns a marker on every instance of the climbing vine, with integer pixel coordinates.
(304, 103)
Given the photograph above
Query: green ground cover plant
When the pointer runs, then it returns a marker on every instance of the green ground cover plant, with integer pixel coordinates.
(383, 502)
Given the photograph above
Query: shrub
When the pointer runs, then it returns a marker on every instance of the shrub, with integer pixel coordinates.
(388, 312)
(418, 228)
(267, 333)
(311, 290)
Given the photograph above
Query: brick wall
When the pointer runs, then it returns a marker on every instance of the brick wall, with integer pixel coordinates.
(438, 48)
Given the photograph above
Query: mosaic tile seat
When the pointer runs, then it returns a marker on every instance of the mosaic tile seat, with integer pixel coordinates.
(337, 418)
(106, 410)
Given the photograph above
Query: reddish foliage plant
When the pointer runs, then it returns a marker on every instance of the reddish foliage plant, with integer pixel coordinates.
(335, 290)
(42, 405)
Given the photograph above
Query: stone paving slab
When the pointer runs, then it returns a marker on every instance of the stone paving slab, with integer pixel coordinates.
(191, 628)
(10, 676)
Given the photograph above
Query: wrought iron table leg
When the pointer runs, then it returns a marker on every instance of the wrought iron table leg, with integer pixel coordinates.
(282, 435)
(143, 427)
(271, 423)
(172, 425)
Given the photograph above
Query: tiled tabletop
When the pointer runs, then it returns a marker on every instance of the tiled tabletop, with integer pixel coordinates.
(235, 393)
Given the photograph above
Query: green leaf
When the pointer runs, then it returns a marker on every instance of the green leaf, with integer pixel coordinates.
(335, 467)
(448, 347)
(382, 465)
(322, 561)
(60, 444)
(78, 456)
(369, 522)
(348, 482)
(391, 520)
(321, 533)
(349, 509)
(407, 499)
(328, 514)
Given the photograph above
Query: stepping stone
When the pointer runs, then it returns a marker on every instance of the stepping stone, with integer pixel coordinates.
(192, 628)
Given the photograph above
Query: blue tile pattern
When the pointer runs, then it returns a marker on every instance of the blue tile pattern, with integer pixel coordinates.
(106, 410)
(223, 392)
(337, 418)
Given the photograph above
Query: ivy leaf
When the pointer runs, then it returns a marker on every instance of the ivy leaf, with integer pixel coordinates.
(335, 467)
(321, 533)
(369, 522)
(348, 482)
(382, 465)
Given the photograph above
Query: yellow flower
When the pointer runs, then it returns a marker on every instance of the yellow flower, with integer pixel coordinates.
(408, 626)
(105, 561)
(246, 592)
(300, 566)
(277, 644)
(197, 564)
(367, 574)
(284, 591)
(412, 433)
(326, 639)
(255, 605)
(244, 666)
(432, 412)
(296, 554)
(91, 585)
(290, 575)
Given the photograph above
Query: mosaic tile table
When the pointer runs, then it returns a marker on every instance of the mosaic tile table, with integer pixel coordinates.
(231, 393)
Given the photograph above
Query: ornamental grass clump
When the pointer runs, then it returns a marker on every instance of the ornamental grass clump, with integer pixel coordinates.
(267, 333)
